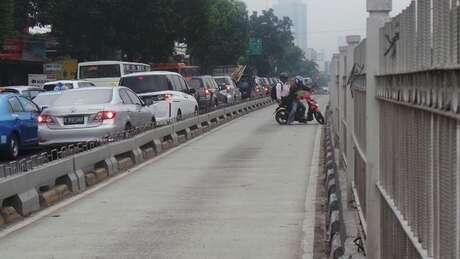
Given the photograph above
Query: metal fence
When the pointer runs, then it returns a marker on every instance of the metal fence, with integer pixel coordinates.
(418, 88)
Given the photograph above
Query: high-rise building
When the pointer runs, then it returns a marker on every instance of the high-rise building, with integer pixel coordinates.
(319, 57)
(296, 10)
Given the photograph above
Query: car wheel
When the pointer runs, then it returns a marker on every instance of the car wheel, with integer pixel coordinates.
(13, 147)
(179, 115)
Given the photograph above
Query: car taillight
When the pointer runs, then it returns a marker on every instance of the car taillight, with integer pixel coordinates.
(207, 92)
(45, 119)
(105, 115)
(228, 87)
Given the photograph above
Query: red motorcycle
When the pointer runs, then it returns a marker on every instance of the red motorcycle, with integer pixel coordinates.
(313, 109)
(282, 112)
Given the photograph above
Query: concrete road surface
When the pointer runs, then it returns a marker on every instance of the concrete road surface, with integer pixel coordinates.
(238, 192)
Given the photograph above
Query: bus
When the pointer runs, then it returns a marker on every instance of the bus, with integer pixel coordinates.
(186, 71)
(108, 73)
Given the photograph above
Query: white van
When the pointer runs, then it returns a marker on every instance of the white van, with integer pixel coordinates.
(108, 73)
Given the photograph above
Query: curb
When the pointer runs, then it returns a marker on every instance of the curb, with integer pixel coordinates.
(334, 217)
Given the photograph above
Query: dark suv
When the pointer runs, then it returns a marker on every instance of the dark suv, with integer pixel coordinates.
(207, 92)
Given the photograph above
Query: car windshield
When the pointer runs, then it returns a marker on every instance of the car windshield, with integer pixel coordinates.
(46, 99)
(147, 83)
(222, 81)
(100, 71)
(86, 97)
(196, 83)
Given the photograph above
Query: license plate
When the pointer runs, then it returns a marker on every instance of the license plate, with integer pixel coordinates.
(74, 120)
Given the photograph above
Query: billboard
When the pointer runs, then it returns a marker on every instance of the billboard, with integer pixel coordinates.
(23, 48)
(62, 70)
(39, 80)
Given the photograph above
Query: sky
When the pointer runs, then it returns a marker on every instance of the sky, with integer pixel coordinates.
(329, 21)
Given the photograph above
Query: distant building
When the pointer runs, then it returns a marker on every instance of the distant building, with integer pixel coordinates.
(311, 54)
(296, 10)
(319, 57)
(327, 67)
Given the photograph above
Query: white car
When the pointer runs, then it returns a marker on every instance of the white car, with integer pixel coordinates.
(167, 94)
(83, 115)
(67, 84)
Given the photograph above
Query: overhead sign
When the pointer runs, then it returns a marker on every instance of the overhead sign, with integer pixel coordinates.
(255, 47)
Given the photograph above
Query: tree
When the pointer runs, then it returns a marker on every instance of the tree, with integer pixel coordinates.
(295, 63)
(137, 30)
(280, 54)
(147, 31)
(6, 19)
(84, 28)
(222, 35)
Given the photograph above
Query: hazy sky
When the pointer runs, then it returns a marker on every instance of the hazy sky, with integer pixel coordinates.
(331, 20)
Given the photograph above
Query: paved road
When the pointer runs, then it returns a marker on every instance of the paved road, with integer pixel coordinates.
(238, 192)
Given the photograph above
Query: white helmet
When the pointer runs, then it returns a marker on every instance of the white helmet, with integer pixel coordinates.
(308, 81)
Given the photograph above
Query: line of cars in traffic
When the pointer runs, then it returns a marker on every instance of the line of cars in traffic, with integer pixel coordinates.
(89, 109)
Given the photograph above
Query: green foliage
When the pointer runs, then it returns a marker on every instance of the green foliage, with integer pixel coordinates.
(223, 37)
(6, 19)
(280, 53)
(217, 32)
(84, 28)
(147, 31)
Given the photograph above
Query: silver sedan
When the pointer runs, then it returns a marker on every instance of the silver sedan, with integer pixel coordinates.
(90, 114)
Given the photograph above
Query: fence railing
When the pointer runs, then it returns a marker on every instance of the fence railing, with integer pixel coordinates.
(418, 91)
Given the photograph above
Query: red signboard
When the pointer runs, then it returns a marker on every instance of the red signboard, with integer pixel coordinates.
(12, 49)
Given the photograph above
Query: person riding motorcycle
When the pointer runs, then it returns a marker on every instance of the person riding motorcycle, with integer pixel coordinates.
(296, 93)
(282, 88)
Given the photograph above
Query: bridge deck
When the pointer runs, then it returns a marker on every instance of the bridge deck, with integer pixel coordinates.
(238, 192)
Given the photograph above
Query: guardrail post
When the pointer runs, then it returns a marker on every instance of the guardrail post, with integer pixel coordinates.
(175, 139)
(77, 181)
(112, 166)
(29, 202)
(138, 156)
(158, 147)
(379, 11)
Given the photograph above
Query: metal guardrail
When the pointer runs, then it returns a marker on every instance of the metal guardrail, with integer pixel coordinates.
(28, 163)
(21, 181)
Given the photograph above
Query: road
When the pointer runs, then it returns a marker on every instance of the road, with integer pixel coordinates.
(237, 192)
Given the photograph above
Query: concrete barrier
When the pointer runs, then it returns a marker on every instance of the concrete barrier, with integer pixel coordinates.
(45, 185)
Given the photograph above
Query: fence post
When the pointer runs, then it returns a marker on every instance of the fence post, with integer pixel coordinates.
(352, 41)
(379, 11)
